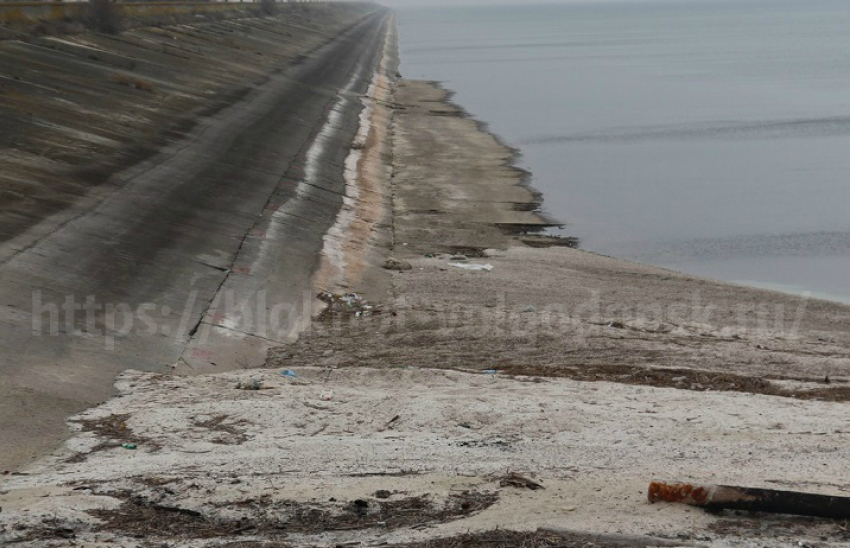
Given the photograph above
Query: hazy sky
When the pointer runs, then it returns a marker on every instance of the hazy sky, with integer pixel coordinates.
(416, 3)
(404, 3)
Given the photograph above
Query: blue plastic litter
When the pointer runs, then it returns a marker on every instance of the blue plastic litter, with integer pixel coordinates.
(490, 371)
(288, 373)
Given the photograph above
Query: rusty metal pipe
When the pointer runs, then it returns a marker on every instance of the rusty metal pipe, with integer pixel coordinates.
(727, 497)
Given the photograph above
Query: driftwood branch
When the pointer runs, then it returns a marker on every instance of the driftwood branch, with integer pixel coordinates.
(727, 497)
(514, 479)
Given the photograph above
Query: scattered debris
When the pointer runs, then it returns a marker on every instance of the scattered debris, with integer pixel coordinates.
(229, 431)
(503, 444)
(514, 479)
(524, 230)
(545, 537)
(469, 252)
(263, 517)
(473, 266)
(395, 264)
(251, 384)
(114, 432)
(609, 540)
(727, 497)
(289, 373)
(349, 303)
(767, 528)
(543, 240)
(686, 379)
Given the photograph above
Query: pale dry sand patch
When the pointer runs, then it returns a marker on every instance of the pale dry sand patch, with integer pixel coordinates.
(594, 446)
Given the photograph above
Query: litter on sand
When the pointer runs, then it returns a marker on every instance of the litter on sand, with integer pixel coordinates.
(473, 266)
(348, 303)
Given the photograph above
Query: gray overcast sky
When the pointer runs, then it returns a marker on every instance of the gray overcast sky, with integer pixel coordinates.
(404, 3)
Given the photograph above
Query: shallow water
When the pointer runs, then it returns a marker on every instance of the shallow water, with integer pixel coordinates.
(703, 135)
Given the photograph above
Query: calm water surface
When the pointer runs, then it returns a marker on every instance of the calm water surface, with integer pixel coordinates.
(708, 136)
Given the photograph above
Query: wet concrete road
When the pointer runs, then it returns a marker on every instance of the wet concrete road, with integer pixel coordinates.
(130, 282)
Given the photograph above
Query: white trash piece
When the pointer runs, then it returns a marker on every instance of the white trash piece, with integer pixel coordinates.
(472, 266)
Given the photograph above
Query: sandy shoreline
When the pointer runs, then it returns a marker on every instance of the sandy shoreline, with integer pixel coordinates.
(397, 424)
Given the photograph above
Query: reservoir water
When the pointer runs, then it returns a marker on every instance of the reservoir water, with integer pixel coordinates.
(707, 136)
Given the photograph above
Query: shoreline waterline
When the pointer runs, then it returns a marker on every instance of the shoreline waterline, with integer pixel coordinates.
(646, 142)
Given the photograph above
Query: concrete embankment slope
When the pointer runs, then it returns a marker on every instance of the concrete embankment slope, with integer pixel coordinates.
(144, 172)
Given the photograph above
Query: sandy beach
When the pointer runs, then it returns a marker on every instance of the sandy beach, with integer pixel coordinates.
(464, 381)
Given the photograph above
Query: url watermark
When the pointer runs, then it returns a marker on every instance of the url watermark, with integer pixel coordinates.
(258, 315)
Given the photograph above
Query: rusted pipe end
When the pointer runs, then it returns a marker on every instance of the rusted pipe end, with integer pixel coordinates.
(677, 492)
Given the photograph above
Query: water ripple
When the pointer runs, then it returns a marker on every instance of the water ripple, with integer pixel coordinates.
(778, 129)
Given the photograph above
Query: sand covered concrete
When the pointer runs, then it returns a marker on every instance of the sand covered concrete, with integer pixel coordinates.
(398, 424)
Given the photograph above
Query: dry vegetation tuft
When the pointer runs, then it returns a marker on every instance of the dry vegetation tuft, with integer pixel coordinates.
(114, 432)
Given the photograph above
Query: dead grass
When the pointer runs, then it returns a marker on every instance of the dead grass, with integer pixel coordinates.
(766, 526)
(253, 544)
(685, 379)
(274, 520)
(230, 433)
(115, 433)
(507, 539)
